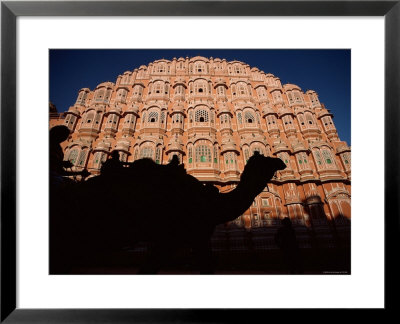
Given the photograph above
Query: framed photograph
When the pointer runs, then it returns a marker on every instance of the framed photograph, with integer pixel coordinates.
(181, 98)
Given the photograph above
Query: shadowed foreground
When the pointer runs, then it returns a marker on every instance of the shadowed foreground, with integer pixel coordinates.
(97, 221)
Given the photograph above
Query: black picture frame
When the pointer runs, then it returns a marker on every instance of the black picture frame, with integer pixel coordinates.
(10, 10)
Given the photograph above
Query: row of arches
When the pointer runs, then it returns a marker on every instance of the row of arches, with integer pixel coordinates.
(161, 89)
(205, 153)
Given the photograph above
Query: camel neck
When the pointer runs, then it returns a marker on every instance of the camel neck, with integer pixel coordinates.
(235, 203)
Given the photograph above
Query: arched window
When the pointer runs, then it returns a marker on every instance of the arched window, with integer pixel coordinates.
(203, 153)
(200, 87)
(121, 95)
(300, 117)
(100, 95)
(158, 87)
(302, 160)
(70, 121)
(346, 158)
(309, 118)
(153, 117)
(147, 152)
(98, 159)
(89, 118)
(82, 158)
(201, 116)
(242, 90)
(271, 120)
(249, 117)
(327, 156)
(73, 154)
(137, 91)
(112, 121)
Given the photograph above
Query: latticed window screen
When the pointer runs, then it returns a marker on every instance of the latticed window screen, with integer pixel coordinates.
(99, 158)
(242, 89)
(146, 152)
(190, 155)
(82, 158)
(97, 118)
(248, 116)
(162, 117)
(346, 158)
(201, 116)
(157, 88)
(309, 118)
(89, 118)
(246, 154)
(271, 120)
(318, 157)
(215, 154)
(203, 153)
(297, 96)
(73, 156)
(327, 156)
(285, 158)
(158, 155)
(153, 117)
(112, 119)
(301, 119)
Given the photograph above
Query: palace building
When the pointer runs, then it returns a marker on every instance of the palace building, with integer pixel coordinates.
(214, 115)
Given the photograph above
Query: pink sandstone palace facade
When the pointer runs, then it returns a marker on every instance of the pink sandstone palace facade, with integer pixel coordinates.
(214, 114)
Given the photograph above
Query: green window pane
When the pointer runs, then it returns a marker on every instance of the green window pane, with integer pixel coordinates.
(190, 160)
(203, 159)
(305, 161)
(215, 160)
(226, 161)
(345, 161)
(158, 161)
(328, 161)
(300, 161)
(231, 161)
(286, 161)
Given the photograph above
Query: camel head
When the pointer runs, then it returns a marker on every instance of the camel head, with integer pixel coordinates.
(259, 170)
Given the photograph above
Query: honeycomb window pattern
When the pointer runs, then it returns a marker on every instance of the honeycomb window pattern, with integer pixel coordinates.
(201, 116)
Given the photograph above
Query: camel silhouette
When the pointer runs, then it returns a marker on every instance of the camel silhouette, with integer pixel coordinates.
(159, 204)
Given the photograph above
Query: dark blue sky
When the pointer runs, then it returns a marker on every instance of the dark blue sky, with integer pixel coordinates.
(325, 71)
